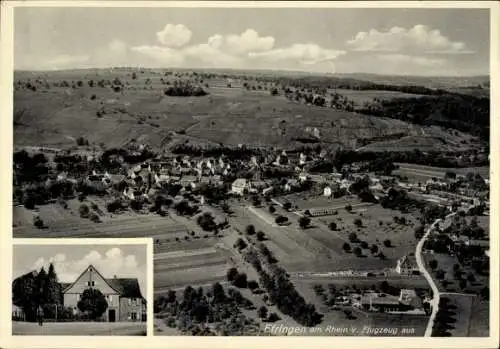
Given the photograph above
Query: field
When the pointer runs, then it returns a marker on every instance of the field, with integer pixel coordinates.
(56, 116)
(361, 97)
(309, 201)
(319, 249)
(461, 306)
(79, 329)
(423, 173)
(198, 262)
(480, 319)
(62, 223)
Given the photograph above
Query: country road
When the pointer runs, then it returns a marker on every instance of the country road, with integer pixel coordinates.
(428, 277)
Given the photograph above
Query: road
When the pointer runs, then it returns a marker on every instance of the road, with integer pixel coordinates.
(427, 275)
(80, 328)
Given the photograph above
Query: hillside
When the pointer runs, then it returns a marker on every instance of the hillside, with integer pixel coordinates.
(55, 114)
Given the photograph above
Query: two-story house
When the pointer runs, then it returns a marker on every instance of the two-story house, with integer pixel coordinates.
(123, 295)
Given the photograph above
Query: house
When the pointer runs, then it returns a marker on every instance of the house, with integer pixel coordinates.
(377, 302)
(239, 186)
(188, 181)
(17, 313)
(123, 295)
(327, 191)
(410, 298)
(407, 265)
(303, 177)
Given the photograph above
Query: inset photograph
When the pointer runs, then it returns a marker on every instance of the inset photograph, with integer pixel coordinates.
(85, 290)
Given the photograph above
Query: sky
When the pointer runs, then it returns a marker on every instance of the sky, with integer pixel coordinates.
(124, 261)
(453, 42)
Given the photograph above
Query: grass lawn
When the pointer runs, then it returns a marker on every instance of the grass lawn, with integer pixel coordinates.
(480, 319)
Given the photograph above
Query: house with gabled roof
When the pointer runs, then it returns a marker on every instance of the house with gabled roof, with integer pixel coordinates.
(407, 265)
(123, 295)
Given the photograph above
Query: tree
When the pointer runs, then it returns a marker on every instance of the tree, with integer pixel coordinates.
(364, 244)
(332, 226)
(231, 274)
(261, 236)
(250, 229)
(485, 292)
(240, 280)
(262, 312)
(462, 284)
(419, 232)
(346, 247)
(348, 208)
(240, 244)
(433, 264)
(273, 317)
(304, 222)
(38, 222)
(93, 303)
(358, 222)
(387, 243)
(252, 284)
(225, 207)
(374, 249)
(53, 287)
(84, 211)
(272, 209)
(287, 205)
(357, 251)
(353, 237)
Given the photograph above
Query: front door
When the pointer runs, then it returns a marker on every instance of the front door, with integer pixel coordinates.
(112, 315)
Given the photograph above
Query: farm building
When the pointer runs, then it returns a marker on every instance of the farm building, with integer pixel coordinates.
(124, 298)
(407, 265)
(408, 300)
(239, 186)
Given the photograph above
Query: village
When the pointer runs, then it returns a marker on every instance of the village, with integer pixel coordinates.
(231, 195)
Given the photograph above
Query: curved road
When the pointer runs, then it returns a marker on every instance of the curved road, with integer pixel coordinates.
(428, 277)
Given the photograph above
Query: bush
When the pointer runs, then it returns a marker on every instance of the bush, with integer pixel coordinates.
(252, 284)
(358, 222)
(348, 208)
(387, 243)
(84, 211)
(357, 251)
(353, 237)
(333, 226)
(346, 247)
(95, 218)
(261, 236)
(272, 209)
(304, 222)
(38, 222)
(240, 280)
(250, 230)
(364, 244)
(231, 274)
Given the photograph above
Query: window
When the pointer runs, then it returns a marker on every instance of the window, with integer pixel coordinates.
(133, 316)
(110, 298)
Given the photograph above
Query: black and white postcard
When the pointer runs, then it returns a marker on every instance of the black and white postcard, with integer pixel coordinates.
(315, 170)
